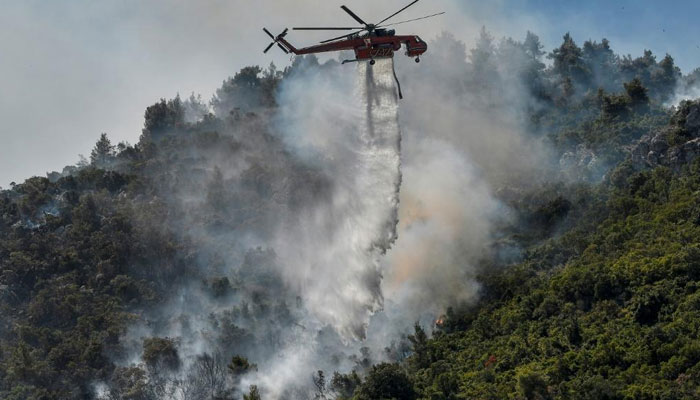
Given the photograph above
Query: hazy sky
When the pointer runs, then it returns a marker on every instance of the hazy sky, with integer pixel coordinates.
(72, 69)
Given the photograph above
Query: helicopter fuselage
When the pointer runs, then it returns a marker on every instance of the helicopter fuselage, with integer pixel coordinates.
(369, 46)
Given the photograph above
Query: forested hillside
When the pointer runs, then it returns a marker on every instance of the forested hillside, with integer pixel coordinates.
(600, 300)
(606, 309)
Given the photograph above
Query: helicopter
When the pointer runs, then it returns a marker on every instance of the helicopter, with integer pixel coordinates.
(369, 42)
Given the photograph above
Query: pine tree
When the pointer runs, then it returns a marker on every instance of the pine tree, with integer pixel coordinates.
(482, 55)
(483, 62)
(636, 92)
(254, 394)
(103, 152)
(568, 61)
(533, 47)
(665, 78)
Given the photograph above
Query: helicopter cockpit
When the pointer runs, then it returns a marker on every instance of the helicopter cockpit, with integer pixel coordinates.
(381, 32)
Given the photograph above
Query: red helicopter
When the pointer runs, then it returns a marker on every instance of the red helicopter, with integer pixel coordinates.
(370, 42)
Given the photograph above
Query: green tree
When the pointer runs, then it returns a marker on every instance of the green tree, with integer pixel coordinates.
(240, 365)
(345, 385)
(602, 63)
(665, 78)
(532, 386)
(533, 47)
(102, 154)
(164, 117)
(253, 394)
(129, 383)
(245, 91)
(483, 61)
(637, 92)
(419, 342)
(161, 353)
(569, 63)
(386, 382)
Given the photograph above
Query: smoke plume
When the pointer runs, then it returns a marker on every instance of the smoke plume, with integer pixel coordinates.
(322, 236)
(331, 252)
(297, 272)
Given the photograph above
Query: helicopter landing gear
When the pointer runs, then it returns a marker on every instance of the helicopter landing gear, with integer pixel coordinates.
(372, 62)
(417, 59)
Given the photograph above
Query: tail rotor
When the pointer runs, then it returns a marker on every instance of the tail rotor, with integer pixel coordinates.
(275, 40)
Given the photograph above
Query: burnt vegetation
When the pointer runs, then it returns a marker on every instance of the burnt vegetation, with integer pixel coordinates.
(602, 304)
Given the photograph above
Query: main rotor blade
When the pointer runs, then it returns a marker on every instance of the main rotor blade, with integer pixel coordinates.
(283, 49)
(268, 32)
(269, 47)
(414, 19)
(326, 29)
(352, 14)
(397, 13)
(341, 37)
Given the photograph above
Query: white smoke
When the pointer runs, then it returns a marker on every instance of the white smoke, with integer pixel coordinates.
(326, 255)
(331, 253)
(445, 224)
(682, 93)
(323, 256)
